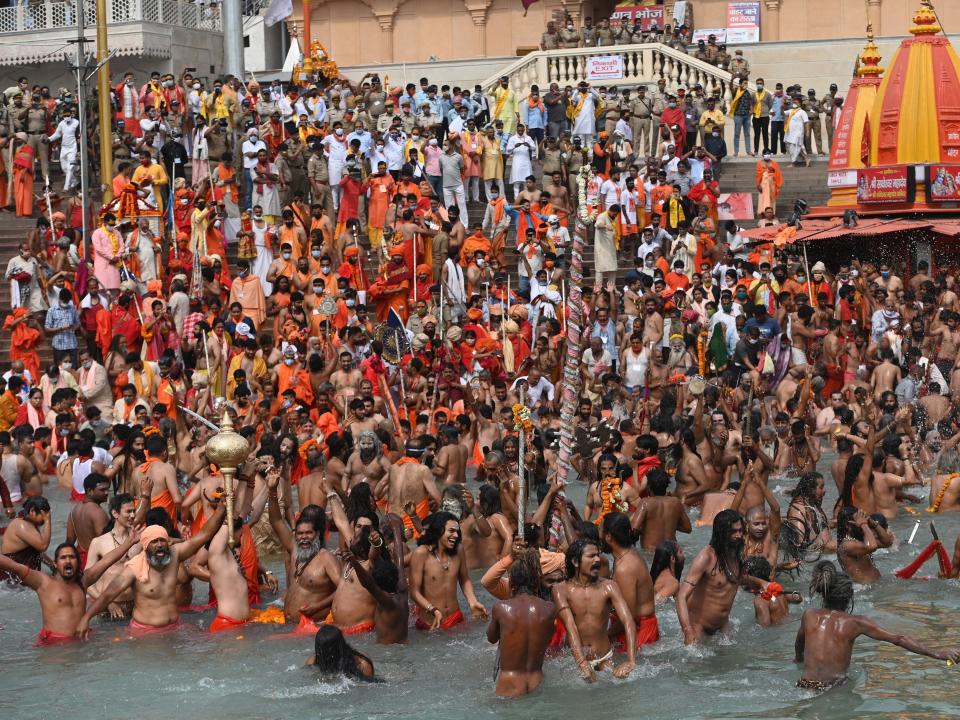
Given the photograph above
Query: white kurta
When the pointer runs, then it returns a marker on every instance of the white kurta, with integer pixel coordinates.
(794, 131)
(261, 264)
(585, 123)
(604, 248)
(520, 148)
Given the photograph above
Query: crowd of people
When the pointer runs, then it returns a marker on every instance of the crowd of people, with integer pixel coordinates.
(385, 341)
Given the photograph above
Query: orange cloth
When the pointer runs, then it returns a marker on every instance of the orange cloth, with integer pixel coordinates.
(46, 638)
(357, 629)
(138, 564)
(268, 616)
(306, 626)
(23, 181)
(23, 343)
(303, 390)
(423, 508)
(648, 632)
(139, 629)
(222, 623)
(167, 395)
(165, 500)
(448, 622)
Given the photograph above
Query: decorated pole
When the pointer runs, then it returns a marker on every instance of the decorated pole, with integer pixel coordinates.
(524, 425)
(583, 222)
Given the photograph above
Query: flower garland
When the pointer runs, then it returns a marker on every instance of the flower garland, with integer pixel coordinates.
(611, 499)
(772, 591)
(935, 507)
(701, 353)
(586, 215)
(522, 419)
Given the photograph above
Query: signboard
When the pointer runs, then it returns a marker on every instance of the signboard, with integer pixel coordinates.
(605, 67)
(719, 33)
(943, 183)
(735, 206)
(841, 178)
(649, 15)
(883, 185)
(743, 22)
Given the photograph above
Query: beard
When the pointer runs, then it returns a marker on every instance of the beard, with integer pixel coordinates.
(731, 559)
(307, 551)
(367, 454)
(159, 559)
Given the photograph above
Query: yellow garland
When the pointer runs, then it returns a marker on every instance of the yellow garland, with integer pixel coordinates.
(943, 491)
(610, 498)
(521, 418)
(701, 353)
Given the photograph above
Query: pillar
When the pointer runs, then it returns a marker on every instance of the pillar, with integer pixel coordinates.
(873, 16)
(772, 25)
(384, 11)
(478, 13)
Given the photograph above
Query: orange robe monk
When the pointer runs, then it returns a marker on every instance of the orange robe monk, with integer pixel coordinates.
(381, 191)
(477, 241)
(23, 342)
(392, 288)
(23, 181)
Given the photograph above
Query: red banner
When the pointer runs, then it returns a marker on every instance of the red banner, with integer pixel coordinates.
(943, 183)
(649, 15)
(882, 185)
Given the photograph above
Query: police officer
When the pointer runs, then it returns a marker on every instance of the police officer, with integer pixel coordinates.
(812, 107)
(641, 120)
(588, 34)
(828, 105)
(37, 119)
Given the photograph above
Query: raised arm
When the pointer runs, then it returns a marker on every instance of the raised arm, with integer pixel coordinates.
(277, 521)
(187, 548)
(94, 573)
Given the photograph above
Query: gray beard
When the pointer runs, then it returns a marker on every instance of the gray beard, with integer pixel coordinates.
(368, 456)
(306, 554)
(159, 562)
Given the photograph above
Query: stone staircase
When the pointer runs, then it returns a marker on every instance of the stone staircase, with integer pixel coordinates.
(808, 183)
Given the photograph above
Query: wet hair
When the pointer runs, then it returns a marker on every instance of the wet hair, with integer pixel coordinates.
(845, 526)
(525, 576)
(333, 654)
(658, 481)
(433, 528)
(313, 515)
(36, 503)
(617, 526)
(729, 554)
(850, 472)
(807, 486)
(834, 586)
(91, 481)
(665, 551)
(386, 575)
(757, 566)
(575, 552)
(359, 502)
(489, 499)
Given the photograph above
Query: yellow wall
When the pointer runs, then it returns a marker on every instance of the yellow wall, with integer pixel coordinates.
(445, 28)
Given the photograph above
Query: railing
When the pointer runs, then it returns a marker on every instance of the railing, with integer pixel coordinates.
(36, 17)
(642, 64)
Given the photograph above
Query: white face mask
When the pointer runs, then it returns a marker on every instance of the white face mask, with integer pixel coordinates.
(287, 256)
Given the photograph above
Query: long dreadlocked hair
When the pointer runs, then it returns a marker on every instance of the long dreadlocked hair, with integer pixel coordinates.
(834, 586)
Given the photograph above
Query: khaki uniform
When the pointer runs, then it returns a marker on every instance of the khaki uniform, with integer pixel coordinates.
(812, 108)
(573, 162)
(550, 41)
(588, 37)
(550, 157)
(621, 36)
(641, 122)
(408, 121)
(604, 37)
(827, 107)
(319, 178)
(740, 66)
(659, 105)
(611, 112)
(36, 129)
(569, 38)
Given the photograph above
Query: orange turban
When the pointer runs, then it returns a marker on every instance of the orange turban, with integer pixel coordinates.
(424, 269)
(352, 251)
(138, 564)
(475, 314)
(396, 251)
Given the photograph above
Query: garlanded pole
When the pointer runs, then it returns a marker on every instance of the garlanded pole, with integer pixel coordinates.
(583, 223)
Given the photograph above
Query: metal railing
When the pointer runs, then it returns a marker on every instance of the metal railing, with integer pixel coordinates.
(41, 16)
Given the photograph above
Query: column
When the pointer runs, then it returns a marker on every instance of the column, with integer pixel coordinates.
(478, 13)
(771, 27)
(873, 16)
(384, 11)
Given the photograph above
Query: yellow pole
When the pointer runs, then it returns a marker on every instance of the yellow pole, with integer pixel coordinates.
(103, 99)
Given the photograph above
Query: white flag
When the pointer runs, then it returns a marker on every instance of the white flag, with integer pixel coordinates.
(278, 10)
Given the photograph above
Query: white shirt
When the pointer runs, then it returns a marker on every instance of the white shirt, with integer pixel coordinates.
(610, 192)
(66, 133)
(252, 144)
(536, 392)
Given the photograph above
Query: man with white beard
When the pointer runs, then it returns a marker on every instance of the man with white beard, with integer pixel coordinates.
(153, 577)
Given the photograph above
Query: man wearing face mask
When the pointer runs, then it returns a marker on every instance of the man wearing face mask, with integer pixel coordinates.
(108, 249)
(796, 125)
(247, 290)
(62, 323)
(129, 101)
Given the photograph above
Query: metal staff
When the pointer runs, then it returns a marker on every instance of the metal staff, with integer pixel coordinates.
(522, 479)
(440, 309)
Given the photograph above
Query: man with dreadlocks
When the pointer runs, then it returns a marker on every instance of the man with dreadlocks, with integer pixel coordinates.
(707, 592)
(807, 528)
(825, 639)
(522, 625)
(367, 463)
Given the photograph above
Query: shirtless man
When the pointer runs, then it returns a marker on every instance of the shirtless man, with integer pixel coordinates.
(62, 594)
(632, 576)
(523, 626)
(772, 606)
(87, 519)
(825, 638)
(125, 517)
(153, 576)
(707, 593)
(885, 376)
(410, 482)
(584, 602)
(652, 324)
(228, 582)
(27, 537)
(386, 582)
(856, 542)
(436, 569)
(312, 571)
(483, 550)
(450, 462)
(163, 476)
(659, 516)
(366, 463)
(346, 381)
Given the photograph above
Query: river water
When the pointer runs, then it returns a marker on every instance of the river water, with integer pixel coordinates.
(747, 673)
